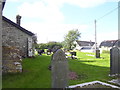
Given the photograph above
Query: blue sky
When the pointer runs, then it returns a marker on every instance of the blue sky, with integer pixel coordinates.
(50, 20)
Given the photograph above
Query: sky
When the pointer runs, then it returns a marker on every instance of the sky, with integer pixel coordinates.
(51, 20)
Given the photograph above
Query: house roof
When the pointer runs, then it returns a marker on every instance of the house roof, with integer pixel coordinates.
(85, 43)
(110, 43)
(17, 26)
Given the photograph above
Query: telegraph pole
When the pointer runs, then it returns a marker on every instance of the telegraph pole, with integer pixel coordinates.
(97, 51)
(95, 37)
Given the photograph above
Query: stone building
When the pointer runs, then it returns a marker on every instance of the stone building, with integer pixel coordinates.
(16, 36)
(17, 42)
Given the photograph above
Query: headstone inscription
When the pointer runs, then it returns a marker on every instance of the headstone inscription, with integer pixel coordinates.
(59, 70)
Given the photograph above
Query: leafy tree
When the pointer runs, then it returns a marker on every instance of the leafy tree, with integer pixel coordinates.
(53, 44)
(69, 39)
(42, 45)
(49, 45)
(34, 38)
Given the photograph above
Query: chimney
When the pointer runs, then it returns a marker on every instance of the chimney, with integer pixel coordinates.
(18, 19)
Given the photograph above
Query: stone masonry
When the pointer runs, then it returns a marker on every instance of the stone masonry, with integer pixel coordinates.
(11, 60)
(14, 45)
(12, 36)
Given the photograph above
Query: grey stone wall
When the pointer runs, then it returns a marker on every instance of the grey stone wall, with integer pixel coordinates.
(12, 61)
(12, 36)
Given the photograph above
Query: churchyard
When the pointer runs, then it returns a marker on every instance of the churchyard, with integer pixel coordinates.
(36, 74)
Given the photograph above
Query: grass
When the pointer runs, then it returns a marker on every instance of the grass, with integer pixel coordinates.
(36, 74)
(89, 68)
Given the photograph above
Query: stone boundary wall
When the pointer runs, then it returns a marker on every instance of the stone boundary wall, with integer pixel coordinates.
(11, 60)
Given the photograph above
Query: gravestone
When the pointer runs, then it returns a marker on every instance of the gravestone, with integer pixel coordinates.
(97, 53)
(59, 70)
(73, 55)
(115, 62)
(48, 51)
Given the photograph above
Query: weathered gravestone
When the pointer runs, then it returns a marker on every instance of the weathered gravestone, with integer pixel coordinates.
(115, 62)
(59, 70)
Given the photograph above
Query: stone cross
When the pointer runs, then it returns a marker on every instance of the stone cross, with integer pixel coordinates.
(59, 69)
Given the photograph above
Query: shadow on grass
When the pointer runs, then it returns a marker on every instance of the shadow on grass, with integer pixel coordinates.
(37, 75)
(87, 61)
(87, 72)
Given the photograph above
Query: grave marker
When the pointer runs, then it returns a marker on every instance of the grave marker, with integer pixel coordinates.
(59, 70)
(115, 62)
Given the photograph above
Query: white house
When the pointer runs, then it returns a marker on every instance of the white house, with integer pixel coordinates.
(108, 44)
(85, 46)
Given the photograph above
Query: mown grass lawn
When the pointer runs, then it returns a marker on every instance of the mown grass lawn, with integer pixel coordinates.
(37, 75)
(90, 68)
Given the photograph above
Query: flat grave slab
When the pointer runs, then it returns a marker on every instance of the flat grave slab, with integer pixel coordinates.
(94, 84)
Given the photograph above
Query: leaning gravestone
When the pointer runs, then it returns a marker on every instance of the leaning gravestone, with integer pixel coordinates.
(59, 70)
(115, 62)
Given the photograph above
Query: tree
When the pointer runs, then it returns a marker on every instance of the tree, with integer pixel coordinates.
(34, 37)
(69, 39)
(42, 46)
(52, 44)
(48, 45)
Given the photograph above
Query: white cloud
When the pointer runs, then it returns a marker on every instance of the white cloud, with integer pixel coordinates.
(107, 36)
(52, 32)
(48, 13)
(12, 0)
(86, 3)
(100, 36)
(113, 0)
(49, 10)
